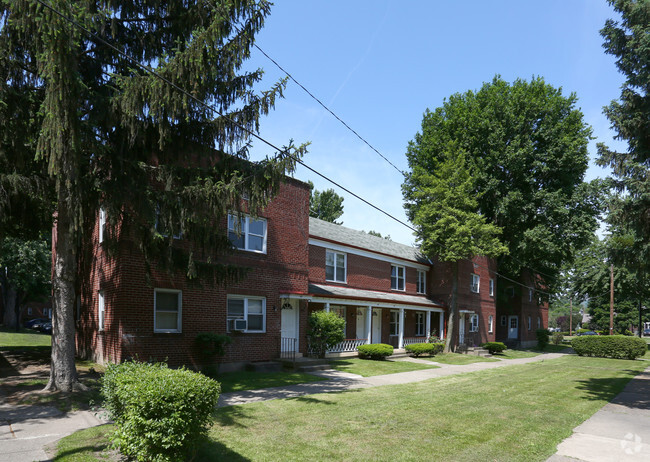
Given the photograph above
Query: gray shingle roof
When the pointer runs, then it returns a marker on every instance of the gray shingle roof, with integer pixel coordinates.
(322, 290)
(341, 234)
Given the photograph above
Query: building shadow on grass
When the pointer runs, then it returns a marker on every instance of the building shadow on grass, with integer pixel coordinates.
(605, 389)
(215, 451)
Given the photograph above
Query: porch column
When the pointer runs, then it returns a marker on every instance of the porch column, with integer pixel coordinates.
(400, 344)
(327, 307)
(442, 326)
(369, 324)
(428, 324)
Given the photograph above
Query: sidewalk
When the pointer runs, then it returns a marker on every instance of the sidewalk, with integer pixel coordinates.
(619, 431)
(340, 381)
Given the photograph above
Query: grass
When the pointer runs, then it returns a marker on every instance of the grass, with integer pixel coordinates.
(246, 380)
(369, 368)
(86, 445)
(25, 338)
(460, 359)
(515, 354)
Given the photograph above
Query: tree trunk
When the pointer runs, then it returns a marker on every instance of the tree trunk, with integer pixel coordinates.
(9, 302)
(63, 373)
(450, 346)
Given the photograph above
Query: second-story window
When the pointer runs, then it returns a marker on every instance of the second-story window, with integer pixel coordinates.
(491, 287)
(422, 282)
(335, 263)
(102, 224)
(247, 234)
(397, 277)
(476, 279)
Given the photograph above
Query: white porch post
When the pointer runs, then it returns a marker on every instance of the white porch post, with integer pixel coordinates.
(369, 324)
(442, 325)
(428, 324)
(401, 328)
(327, 307)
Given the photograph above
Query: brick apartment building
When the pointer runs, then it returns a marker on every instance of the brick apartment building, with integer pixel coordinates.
(387, 293)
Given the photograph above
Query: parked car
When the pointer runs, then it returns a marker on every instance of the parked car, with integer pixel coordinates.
(646, 333)
(33, 322)
(590, 332)
(46, 328)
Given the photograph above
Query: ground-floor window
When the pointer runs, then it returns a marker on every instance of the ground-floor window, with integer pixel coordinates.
(473, 323)
(503, 320)
(420, 323)
(167, 310)
(529, 323)
(394, 322)
(252, 310)
(490, 324)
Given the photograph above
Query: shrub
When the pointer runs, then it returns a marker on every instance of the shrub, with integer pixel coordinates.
(494, 347)
(160, 414)
(418, 349)
(580, 331)
(611, 346)
(542, 338)
(375, 351)
(326, 329)
(211, 344)
(557, 338)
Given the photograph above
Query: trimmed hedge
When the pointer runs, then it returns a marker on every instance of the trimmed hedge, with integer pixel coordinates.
(542, 338)
(375, 351)
(326, 329)
(430, 349)
(494, 347)
(160, 414)
(610, 346)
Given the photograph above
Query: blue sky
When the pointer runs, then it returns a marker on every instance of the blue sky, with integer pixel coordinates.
(380, 64)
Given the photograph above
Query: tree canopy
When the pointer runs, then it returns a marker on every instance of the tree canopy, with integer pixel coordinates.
(325, 205)
(104, 131)
(526, 146)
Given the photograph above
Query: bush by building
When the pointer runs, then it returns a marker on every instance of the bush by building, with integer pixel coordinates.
(610, 346)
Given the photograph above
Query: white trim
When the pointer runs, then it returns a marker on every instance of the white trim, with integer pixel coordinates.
(490, 324)
(179, 311)
(245, 233)
(101, 310)
(475, 278)
(473, 326)
(491, 287)
(246, 298)
(345, 266)
(423, 275)
(367, 253)
(398, 278)
(102, 224)
(351, 302)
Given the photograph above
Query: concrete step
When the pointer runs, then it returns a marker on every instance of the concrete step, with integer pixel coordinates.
(314, 367)
(266, 366)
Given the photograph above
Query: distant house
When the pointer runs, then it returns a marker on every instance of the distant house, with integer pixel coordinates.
(387, 293)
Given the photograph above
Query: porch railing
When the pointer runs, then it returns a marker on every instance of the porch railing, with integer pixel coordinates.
(349, 344)
(412, 340)
(288, 348)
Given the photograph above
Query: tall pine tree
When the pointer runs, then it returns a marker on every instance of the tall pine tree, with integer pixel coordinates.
(116, 136)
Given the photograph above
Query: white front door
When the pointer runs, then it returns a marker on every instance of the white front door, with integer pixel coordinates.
(461, 329)
(289, 326)
(513, 327)
(361, 322)
(376, 325)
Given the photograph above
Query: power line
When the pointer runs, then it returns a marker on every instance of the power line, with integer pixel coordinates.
(213, 109)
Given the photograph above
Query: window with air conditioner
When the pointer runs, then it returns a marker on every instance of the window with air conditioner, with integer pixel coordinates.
(247, 312)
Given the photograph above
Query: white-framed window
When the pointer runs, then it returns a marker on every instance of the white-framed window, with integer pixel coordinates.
(422, 282)
(476, 281)
(47, 312)
(247, 233)
(503, 320)
(420, 324)
(29, 311)
(473, 323)
(335, 266)
(530, 295)
(167, 310)
(491, 287)
(490, 324)
(252, 309)
(102, 224)
(539, 322)
(397, 277)
(101, 309)
(529, 323)
(394, 322)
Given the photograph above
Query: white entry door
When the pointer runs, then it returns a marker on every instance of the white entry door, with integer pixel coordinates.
(376, 325)
(513, 327)
(289, 326)
(461, 329)
(361, 322)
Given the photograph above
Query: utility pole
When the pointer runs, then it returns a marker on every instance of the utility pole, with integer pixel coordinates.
(570, 315)
(611, 300)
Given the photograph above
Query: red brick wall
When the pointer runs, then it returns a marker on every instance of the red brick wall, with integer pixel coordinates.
(129, 294)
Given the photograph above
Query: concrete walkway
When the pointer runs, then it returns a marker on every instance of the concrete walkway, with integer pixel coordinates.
(340, 381)
(26, 430)
(619, 431)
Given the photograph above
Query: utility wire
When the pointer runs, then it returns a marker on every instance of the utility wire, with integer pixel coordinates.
(285, 151)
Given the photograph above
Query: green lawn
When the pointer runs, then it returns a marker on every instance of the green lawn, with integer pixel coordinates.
(460, 359)
(25, 338)
(245, 380)
(369, 368)
(515, 413)
(515, 354)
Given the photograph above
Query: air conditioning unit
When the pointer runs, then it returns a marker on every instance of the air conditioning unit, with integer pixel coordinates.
(240, 324)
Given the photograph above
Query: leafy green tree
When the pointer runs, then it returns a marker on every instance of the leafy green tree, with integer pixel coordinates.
(25, 272)
(440, 201)
(378, 234)
(116, 136)
(325, 205)
(527, 145)
(326, 329)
